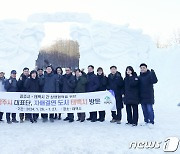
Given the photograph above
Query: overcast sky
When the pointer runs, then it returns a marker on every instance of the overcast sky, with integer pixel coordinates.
(154, 17)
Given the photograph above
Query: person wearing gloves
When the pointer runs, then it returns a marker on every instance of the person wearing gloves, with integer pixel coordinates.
(147, 79)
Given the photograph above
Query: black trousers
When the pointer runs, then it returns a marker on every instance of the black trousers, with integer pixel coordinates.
(117, 115)
(93, 115)
(57, 115)
(33, 116)
(102, 115)
(8, 116)
(1, 115)
(70, 116)
(21, 115)
(45, 115)
(81, 116)
(132, 113)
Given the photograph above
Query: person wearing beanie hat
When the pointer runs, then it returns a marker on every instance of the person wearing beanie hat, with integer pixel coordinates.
(13, 72)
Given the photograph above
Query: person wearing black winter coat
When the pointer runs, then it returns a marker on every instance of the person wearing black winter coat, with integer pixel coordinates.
(40, 72)
(81, 81)
(102, 87)
(68, 82)
(32, 85)
(11, 86)
(93, 82)
(22, 79)
(147, 78)
(50, 84)
(21, 88)
(92, 86)
(68, 86)
(116, 83)
(131, 95)
(59, 73)
(40, 75)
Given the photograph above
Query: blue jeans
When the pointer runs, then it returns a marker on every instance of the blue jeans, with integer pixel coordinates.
(148, 113)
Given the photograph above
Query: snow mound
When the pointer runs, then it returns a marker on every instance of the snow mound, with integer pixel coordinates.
(19, 44)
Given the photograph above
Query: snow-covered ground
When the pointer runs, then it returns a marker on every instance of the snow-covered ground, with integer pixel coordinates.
(66, 138)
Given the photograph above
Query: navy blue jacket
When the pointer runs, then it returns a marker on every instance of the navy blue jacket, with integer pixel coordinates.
(50, 83)
(68, 83)
(11, 87)
(146, 87)
(116, 83)
(40, 86)
(131, 89)
(92, 82)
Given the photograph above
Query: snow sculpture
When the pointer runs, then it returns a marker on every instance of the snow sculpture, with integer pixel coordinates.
(19, 44)
(104, 44)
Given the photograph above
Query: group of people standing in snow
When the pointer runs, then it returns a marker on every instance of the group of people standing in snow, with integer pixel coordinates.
(131, 91)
